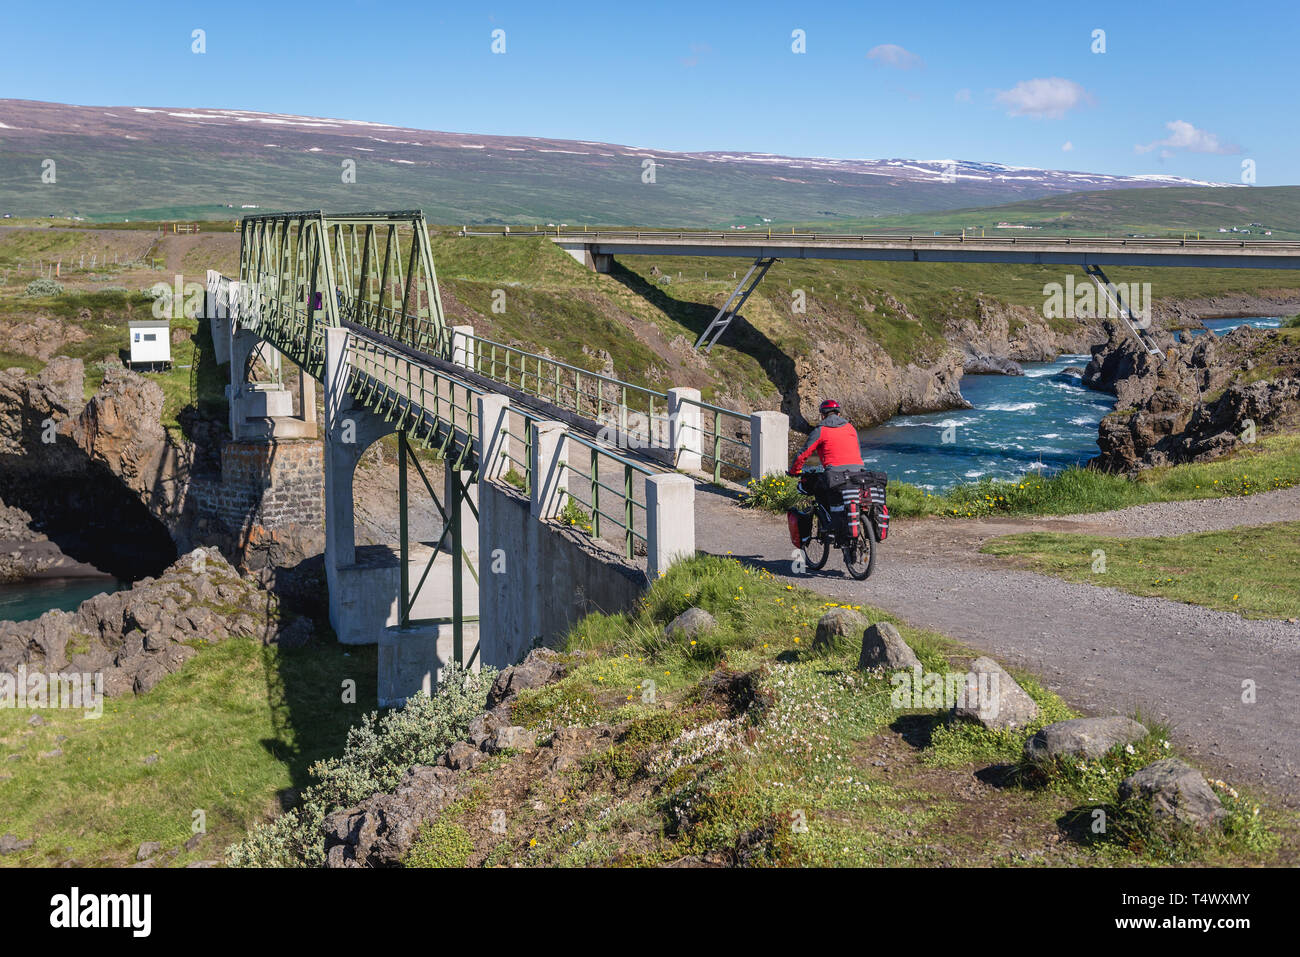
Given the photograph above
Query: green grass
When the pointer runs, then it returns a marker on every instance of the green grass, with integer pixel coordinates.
(1271, 463)
(1161, 211)
(1252, 571)
(801, 792)
(442, 843)
(230, 732)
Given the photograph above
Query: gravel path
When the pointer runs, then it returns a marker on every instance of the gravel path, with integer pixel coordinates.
(1201, 515)
(1102, 649)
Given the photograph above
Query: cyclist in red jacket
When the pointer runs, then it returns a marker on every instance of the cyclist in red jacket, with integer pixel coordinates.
(835, 442)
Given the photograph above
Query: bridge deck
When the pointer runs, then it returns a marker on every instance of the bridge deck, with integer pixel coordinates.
(1035, 250)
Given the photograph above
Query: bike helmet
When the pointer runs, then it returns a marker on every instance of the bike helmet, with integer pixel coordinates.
(827, 407)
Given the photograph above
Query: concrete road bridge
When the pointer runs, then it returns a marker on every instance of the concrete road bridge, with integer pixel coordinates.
(597, 249)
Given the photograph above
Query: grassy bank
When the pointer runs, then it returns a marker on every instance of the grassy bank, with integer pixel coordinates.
(1271, 463)
(231, 735)
(99, 321)
(1252, 571)
(820, 770)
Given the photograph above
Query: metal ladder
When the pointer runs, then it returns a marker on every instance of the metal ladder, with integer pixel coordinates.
(728, 312)
(1112, 294)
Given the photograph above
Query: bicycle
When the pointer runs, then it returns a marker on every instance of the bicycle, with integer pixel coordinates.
(817, 530)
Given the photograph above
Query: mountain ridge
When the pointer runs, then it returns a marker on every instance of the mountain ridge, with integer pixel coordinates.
(120, 160)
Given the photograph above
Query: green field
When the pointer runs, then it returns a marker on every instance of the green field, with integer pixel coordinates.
(230, 735)
(1252, 571)
(1180, 211)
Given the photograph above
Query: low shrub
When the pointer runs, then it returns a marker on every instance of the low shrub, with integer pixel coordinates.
(378, 752)
(44, 287)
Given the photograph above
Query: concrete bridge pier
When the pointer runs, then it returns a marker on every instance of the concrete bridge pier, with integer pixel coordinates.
(365, 582)
(586, 254)
(362, 589)
(264, 410)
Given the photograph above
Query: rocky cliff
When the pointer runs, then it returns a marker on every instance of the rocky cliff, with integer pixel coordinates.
(990, 337)
(1199, 401)
(101, 479)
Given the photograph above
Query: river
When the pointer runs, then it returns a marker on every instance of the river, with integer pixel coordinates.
(24, 601)
(1038, 422)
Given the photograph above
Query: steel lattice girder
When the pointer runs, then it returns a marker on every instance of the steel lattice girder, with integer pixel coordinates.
(312, 270)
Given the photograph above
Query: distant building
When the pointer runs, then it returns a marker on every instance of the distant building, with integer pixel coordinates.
(151, 343)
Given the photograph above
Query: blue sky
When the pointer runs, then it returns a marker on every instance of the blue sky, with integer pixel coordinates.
(1188, 88)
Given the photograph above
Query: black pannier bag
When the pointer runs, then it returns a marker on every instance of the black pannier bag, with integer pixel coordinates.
(873, 485)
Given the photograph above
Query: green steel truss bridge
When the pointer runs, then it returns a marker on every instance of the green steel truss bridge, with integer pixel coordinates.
(352, 299)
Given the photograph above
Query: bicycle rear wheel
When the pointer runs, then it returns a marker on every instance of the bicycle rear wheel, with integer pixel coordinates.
(860, 556)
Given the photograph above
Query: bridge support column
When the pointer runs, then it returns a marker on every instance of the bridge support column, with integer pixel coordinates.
(585, 253)
(670, 522)
(493, 442)
(548, 463)
(463, 347)
(362, 594)
(262, 410)
(769, 443)
(684, 429)
(222, 309)
(306, 397)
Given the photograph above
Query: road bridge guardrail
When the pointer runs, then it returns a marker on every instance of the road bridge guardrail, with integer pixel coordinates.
(753, 237)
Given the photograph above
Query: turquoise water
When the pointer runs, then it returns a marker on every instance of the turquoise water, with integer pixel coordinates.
(28, 600)
(1037, 423)
(1221, 326)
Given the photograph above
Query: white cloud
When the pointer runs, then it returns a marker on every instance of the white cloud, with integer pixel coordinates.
(962, 95)
(892, 55)
(1067, 146)
(1044, 98)
(1184, 136)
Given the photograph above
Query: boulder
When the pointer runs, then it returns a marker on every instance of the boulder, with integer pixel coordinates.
(979, 363)
(1082, 737)
(541, 667)
(482, 728)
(1175, 792)
(884, 647)
(462, 756)
(297, 634)
(9, 844)
(147, 850)
(839, 630)
(691, 623)
(513, 737)
(381, 829)
(994, 699)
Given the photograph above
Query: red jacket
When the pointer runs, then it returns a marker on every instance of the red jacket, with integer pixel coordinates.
(836, 443)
